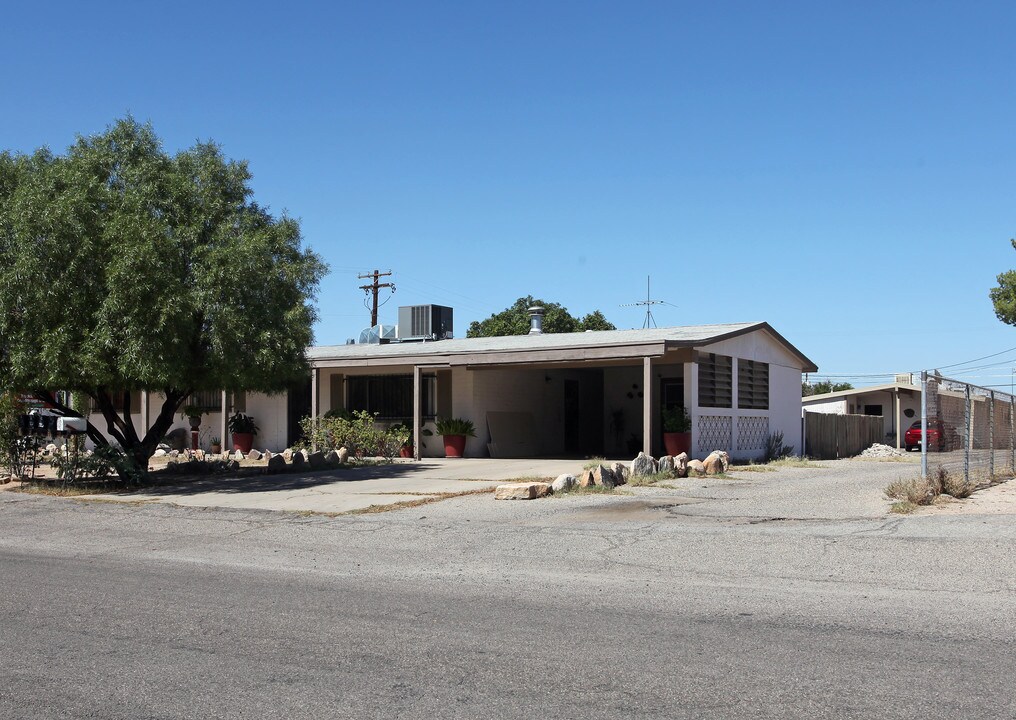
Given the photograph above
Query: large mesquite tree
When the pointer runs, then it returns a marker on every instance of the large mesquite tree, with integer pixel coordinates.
(124, 268)
(514, 320)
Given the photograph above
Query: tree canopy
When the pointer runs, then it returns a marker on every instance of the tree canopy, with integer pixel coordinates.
(514, 320)
(126, 268)
(1003, 297)
(822, 387)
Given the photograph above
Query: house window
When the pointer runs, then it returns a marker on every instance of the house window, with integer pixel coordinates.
(117, 397)
(872, 409)
(207, 400)
(752, 385)
(715, 380)
(390, 397)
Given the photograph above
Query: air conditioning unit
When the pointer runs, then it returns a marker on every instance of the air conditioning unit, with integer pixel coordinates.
(425, 322)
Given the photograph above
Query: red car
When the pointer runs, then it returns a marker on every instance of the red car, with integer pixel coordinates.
(939, 437)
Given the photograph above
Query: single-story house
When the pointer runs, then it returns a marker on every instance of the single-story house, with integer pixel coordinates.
(542, 395)
(898, 403)
(577, 394)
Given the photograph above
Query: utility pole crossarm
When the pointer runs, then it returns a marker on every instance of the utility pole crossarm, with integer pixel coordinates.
(373, 290)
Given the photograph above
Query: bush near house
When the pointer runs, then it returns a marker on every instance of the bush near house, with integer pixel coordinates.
(357, 432)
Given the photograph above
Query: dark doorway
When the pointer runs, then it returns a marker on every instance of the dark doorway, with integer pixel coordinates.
(671, 393)
(297, 408)
(572, 417)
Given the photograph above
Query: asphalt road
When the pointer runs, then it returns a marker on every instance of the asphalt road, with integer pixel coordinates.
(662, 605)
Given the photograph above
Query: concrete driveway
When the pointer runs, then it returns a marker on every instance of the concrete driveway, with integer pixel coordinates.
(338, 491)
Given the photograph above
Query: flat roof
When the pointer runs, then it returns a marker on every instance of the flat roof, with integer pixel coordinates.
(584, 345)
(889, 387)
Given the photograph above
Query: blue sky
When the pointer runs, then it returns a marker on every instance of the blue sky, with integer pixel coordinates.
(841, 170)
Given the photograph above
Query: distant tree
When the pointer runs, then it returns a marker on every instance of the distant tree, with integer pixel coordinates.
(514, 320)
(1003, 297)
(125, 269)
(825, 386)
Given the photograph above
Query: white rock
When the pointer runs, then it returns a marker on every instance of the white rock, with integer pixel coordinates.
(564, 483)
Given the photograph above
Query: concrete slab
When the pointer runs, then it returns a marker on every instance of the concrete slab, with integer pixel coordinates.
(350, 489)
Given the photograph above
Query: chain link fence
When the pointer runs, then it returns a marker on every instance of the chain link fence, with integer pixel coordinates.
(969, 430)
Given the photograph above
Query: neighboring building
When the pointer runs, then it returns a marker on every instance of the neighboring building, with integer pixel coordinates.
(898, 403)
(578, 394)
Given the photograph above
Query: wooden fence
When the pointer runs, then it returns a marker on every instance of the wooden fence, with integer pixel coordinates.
(827, 436)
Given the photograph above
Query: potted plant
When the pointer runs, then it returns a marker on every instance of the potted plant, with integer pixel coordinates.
(676, 430)
(193, 414)
(454, 431)
(216, 446)
(243, 428)
(405, 430)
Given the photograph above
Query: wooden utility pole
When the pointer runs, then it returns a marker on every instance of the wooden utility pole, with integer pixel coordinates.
(373, 289)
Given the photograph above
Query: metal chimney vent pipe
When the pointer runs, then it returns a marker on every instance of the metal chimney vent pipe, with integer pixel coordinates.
(536, 320)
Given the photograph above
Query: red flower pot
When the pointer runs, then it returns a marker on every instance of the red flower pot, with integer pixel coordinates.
(243, 442)
(677, 443)
(454, 445)
(405, 452)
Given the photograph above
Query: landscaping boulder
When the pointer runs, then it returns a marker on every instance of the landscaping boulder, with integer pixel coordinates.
(666, 465)
(317, 461)
(238, 456)
(298, 460)
(160, 453)
(621, 473)
(603, 476)
(643, 465)
(522, 491)
(717, 462)
(287, 455)
(586, 479)
(564, 483)
(343, 455)
(177, 439)
(332, 458)
(276, 463)
(254, 455)
(696, 466)
(681, 465)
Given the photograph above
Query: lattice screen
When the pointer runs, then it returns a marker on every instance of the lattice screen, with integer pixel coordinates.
(752, 433)
(714, 432)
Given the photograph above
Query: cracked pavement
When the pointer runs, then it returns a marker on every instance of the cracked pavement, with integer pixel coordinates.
(772, 595)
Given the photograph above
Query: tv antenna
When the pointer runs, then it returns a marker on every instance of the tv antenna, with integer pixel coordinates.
(648, 304)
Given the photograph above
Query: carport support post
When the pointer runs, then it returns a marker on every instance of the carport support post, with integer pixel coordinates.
(647, 405)
(899, 430)
(313, 406)
(417, 412)
(225, 443)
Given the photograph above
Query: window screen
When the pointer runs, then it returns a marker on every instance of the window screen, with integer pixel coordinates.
(715, 381)
(752, 385)
(390, 397)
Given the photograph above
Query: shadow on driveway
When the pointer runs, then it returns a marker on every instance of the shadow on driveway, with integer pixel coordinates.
(196, 484)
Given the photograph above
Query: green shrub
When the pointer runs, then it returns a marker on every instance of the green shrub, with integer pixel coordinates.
(455, 426)
(676, 420)
(775, 448)
(357, 432)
